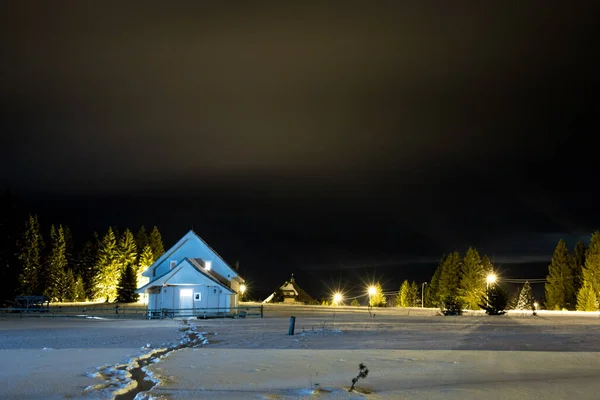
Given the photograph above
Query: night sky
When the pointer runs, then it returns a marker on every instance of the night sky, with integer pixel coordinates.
(336, 142)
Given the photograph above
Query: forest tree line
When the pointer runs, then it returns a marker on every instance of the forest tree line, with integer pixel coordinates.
(106, 267)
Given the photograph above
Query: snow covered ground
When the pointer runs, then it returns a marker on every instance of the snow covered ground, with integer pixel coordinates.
(412, 354)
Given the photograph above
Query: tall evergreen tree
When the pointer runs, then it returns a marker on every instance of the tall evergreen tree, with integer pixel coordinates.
(86, 265)
(402, 299)
(30, 256)
(66, 287)
(55, 266)
(451, 275)
(432, 298)
(487, 265)
(586, 298)
(577, 264)
(78, 291)
(107, 267)
(156, 243)
(145, 260)
(559, 282)
(526, 300)
(69, 247)
(141, 239)
(591, 269)
(413, 294)
(127, 250)
(472, 282)
(127, 285)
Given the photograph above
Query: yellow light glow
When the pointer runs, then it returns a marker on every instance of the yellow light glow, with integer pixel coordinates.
(242, 288)
(491, 278)
(372, 290)
(337, 298)
(535, 304)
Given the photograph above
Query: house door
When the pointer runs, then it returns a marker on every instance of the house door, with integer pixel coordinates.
(186, 301)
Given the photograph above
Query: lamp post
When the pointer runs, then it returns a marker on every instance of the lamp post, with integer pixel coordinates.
(242, 290)
(490, 279)
(372, 292)
(423, 294)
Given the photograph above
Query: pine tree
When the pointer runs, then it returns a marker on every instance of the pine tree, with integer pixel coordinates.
(450, 278)
(559, 283)
(413, 298)
(591, 270)
(586, 298)
(146, 260)
(403, 294)
(487, 265)
(378, 299)
(107, 267)
(578, 261)
(66, 287)
(472, 283)
(79, 293)
(432, 298)
(526, 300)
(156, 243)
(30, 257)
(127, 286)
(55, 265)
(141, 239)
(69, 247)
(127, 250)
(355, 303)
(86, 265)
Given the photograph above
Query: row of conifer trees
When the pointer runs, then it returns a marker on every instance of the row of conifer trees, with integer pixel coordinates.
(107, 267)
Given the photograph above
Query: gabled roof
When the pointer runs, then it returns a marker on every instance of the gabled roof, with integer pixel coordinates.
(180, 243)
(164, 278)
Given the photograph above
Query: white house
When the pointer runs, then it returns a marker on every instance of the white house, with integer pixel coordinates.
(191, 279)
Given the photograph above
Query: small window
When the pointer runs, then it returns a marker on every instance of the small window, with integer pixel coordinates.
(197, 296)
(172, 264)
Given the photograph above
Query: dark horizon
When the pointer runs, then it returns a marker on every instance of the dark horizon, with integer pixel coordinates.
(297, 139)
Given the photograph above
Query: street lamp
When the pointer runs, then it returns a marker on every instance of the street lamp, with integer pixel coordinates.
(337, 298)
(490, 279)
(242, 289)
(372, 291)
(423, 294)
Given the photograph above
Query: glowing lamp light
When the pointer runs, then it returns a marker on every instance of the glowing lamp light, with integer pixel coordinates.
(491, 278)
(337, 298)
(242, 288)
(372, 290)
(535, 304)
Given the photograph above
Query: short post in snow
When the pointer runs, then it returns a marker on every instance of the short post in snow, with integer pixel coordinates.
(292, 326)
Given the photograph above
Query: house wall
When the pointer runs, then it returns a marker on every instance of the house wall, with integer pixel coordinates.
(193, 247)
(211, 296)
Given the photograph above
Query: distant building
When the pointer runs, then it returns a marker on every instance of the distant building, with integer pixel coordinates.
(191, 279)
(290, 293)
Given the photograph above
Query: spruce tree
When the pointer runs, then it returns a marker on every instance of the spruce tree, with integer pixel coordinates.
(69, 248)
(559, 283)
(127, 250)
(87, 264)
(487, 265)
(472, 283)
(413, 297)
(79, 293)
(403, 295)
(127, 286)
(432, 298)
(451, 275)
(586, 298)
(526, 299)
(156, 243)
(67, 286)
(578, 261)
(30, 257)
(107, 267)
(591, 269)
(378, 299)
(141, 239)
(55, 265)
(146, 260)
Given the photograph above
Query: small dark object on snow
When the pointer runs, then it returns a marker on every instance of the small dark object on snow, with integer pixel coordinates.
(362, 373)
